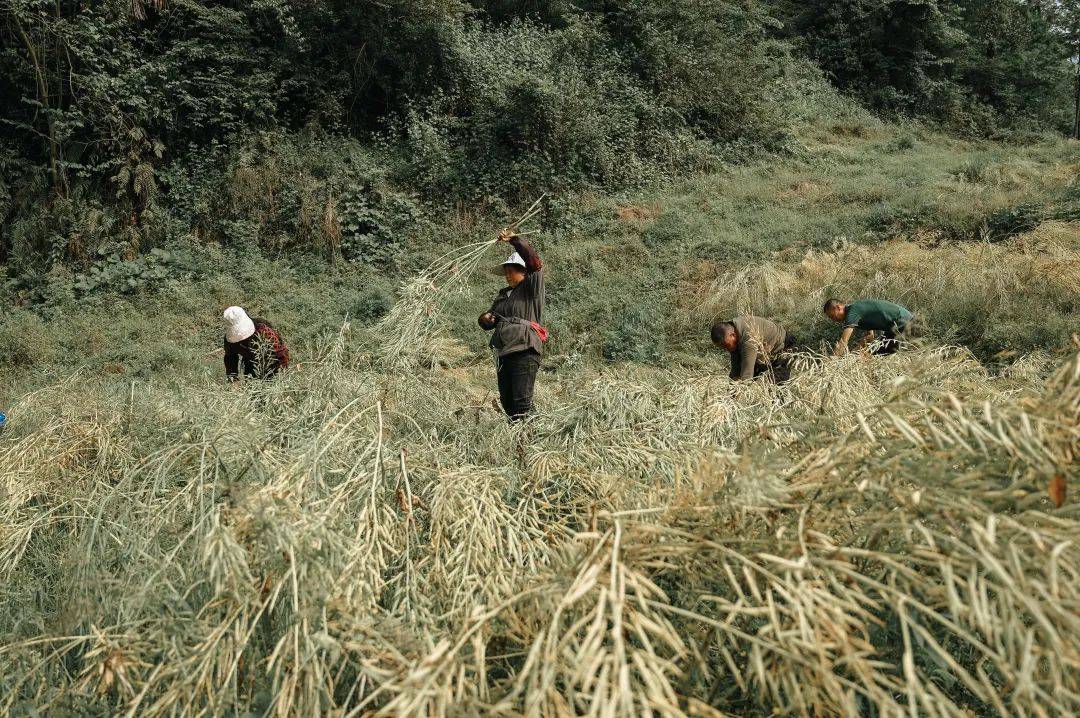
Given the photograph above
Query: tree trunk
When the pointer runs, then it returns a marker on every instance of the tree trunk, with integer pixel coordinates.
(1076, 113)
(42, 80)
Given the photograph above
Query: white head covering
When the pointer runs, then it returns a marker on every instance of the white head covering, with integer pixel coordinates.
(238, 325)
(514, 259)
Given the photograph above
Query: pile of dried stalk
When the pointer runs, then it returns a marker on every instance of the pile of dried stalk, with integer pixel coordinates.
(876, 538)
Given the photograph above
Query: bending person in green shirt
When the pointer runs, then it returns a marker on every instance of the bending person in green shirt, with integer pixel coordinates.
(871, 315)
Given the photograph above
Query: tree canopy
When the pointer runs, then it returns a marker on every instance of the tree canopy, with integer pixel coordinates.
(123, 118)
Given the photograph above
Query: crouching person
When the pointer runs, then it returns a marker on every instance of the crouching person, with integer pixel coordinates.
(757, 347)
(252, 346)
(876, 317)
(515, 315)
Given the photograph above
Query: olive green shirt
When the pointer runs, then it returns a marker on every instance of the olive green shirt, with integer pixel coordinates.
(760, 342)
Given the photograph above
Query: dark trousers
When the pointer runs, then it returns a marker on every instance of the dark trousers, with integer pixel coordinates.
(890, 340)
(779, 369)
(517, 375)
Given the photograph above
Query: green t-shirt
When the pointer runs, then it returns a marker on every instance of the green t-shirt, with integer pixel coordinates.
(877, 315)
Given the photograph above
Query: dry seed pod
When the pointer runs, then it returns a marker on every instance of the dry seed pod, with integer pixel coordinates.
(1057, 490)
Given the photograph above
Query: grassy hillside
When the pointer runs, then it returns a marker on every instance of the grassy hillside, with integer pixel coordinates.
(619, 263)
(368, 534)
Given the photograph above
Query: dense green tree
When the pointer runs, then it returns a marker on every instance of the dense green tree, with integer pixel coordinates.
(973, 63)
(894, 54)
(118, 117)
(1011, 59)
(1065, 15)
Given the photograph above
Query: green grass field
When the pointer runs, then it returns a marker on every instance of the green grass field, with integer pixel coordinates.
(367, 535)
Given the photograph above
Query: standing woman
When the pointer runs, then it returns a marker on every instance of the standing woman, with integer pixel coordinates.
(515, 316)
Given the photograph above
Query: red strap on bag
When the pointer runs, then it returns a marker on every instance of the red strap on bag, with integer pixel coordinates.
(541, 332)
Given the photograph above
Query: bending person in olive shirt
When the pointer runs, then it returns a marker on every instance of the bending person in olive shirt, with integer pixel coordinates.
(757, 346)
(515, 317)
(871, 315)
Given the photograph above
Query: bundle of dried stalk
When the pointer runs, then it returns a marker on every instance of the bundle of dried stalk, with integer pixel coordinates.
(404, 336)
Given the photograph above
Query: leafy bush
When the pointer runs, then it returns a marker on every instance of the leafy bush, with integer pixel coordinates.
(636, 333)
(25, 339)
(119, 269)
(901, 143)
(63, 229)
(1011, 221)
(528, 110)
(614, 99)
(371, 304)
(1066, 208)
(374, 224)
(308, 192)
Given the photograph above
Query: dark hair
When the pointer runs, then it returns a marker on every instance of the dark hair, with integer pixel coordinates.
(720, 329)
(831, 304)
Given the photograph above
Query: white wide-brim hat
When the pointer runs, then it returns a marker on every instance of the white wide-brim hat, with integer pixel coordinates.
(514, 259)
(238, 325)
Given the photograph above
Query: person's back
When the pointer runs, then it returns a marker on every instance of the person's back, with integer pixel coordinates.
(756, 345)
(766, 336)
(877, 315)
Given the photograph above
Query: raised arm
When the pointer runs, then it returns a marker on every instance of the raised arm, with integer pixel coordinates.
(532, 259)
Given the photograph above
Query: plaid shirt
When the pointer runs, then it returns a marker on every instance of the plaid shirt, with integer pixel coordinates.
(260, 356)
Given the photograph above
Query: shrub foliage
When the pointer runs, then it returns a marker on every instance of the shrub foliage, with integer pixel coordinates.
(132, 121)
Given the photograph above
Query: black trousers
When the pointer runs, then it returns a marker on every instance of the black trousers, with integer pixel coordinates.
(779, 369)
(890, 340)
(517, 375)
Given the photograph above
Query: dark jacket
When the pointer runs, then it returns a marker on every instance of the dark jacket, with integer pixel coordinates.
(260, 356)
(516, 308)
(760, 342)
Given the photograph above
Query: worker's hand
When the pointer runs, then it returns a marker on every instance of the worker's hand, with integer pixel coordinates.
(842, 343)
(506, 235)
(487, 321)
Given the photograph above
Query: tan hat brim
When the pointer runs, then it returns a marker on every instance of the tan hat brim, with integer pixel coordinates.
(498, 269)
